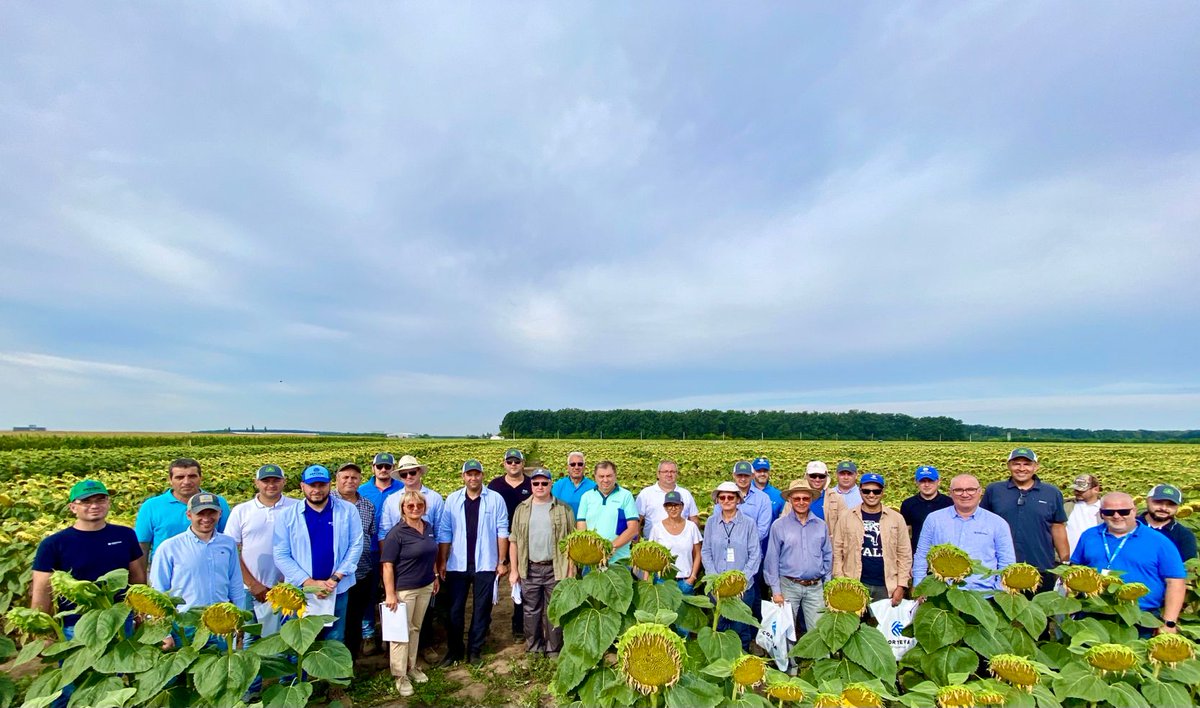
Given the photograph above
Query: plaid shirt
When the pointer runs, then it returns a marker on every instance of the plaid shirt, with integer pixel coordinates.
(366, 512)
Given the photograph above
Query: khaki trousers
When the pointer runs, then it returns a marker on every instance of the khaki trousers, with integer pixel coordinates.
(403, 655)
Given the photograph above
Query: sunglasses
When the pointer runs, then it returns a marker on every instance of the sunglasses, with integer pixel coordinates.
(818, 476)
(383, 467)
(875, 492)
(543, 483)
(726, 497)
(512, 461)
(406, 474)
(1116, 512)
(574, 464)
(414, 506)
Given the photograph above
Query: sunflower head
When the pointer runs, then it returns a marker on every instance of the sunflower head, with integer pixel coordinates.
(786, 690)
(223, 618)
(1083, 579)
(749, 670)
(84, 594)
(949, 563)
(288, 600)
(149, 603)
(846, 595)
(731, 583)
(586, 548)
(990, 698)
(1115, 658)
(650, 656)
(1020, 577)
(1185, 511)
(858, 695)
(29, 622)
(1016, 671)
(1169, 649)
(1131, 592)
(827, 700)
(650, 556)
(955, 697)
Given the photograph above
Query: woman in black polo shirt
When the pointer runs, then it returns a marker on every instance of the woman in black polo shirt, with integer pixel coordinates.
(408, 554)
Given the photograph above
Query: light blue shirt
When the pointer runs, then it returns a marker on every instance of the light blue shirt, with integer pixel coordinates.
(378, 497)
(293, 547)
(565, 490)
(392, 512)
(164, 516)
(201, 572)
(983, 535)
(757, 505)
(741, 535)
(851, 498)
(798, 550)
(777, 502)
(493, 525)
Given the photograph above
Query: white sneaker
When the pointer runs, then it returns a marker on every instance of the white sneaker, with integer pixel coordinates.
(404, 686)
(417, 676)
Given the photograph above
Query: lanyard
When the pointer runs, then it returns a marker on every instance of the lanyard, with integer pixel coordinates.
(728, 529)
(1112, 555)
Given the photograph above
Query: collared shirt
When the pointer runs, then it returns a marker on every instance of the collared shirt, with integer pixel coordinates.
(818, 506)
(201, 572)
(798, 549)
(412, 554)
(367, 515)
(392, 513)
(378, 498)
(293, 547)
(983, 535)
(252, 526)
(493, 525)
(1083, 516)
(164, 516)
(1030, 513)
(852, 497)
(1144, 555)
(916, 508)
(777, 502)
(1180, 535)
(609, 515)
(757, 505)
(740, 535)
(650, 505)
(567, 491)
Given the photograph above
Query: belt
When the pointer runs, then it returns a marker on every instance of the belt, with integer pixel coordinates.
(805, 583)
(549, 562)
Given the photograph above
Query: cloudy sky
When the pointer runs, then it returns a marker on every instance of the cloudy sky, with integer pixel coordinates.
(416, 217)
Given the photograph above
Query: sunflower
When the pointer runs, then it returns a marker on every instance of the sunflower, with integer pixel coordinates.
(650, 656)
(846, 595)
(949, 563)
(1114, 658)
(1014, 670)
(149, 603)
(650, 556)
(288, 600)
(1169, 649)
(1020, 577)
(586, 548)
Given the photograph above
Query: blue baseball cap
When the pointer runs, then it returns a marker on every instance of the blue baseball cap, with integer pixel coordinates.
(672, 497)
(761, 463)
(927, 472)
(314, 473)
(870, 477)
(473, 466)
(742, 467)
(541, 472)
(384, 458)
(847, 466)
(1022, 452)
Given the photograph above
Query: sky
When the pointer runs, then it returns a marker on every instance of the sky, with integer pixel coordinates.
(415, 217)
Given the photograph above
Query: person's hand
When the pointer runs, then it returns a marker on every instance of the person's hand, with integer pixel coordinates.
(322, 590)
(330, 585)
(691, 580)
(437, 584)
(513, 577)
(259, 591)
(777, 598)
(1167, 630)
(897, 596)
(391, 603)
(169, 643)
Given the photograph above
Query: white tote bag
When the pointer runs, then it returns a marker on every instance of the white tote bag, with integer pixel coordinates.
(893, 620)
(777, 631)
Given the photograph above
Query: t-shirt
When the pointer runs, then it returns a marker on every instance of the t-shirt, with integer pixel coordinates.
(872, 550)
(86, 555)
(412, 553)
(650, 505)
(609, 515)
(1083, 516)
(680, 545)
(541, 533)
(471, 514)
(252, 526)
(320, 534)
(1030, 514)
(916, 508)
(512, 495)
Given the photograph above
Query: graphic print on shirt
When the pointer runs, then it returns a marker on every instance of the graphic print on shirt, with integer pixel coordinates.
(871, 547)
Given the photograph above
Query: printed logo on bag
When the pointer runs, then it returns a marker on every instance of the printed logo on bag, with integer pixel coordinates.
(897, 629)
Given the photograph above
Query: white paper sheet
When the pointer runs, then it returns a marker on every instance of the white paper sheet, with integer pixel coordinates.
(268, 618)
(394, 624)
(516, 593)
(318, 606)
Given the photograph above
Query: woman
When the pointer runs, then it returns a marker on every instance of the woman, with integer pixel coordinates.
(682, 538)
(408, 554)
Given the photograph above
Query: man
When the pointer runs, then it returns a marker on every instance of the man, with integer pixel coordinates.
(1162, 504)
(928, 499)
(200, 564)
(827, 507)
(1143, 556)
(87, 549)
(650, 499)
(799, 556)
(575, 484)
(360, 599)
(411, 474)
(318, 545)
(472, 549)
(513, 487)
(165, 515)
(755, 503)
(610, 511)
(1084, 512)
(847, 484)
(872, 544)
(762, 482)
(537, 563)
(982, 534)
(1034, 512)
(731, 543)
(377, 490)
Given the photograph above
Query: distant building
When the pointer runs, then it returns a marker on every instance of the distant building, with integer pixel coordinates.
(497, 437)
(31, 428)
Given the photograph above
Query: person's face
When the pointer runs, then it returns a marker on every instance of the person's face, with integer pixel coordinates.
(964, 492)
(541, 488)
(801, 502)
(606, 479)
(1022, 469)
(473, 481)
(1118, 514)
(1088, 495)
(315, 492)
(846, 479)
(928, 487)
(1161, 510)
(762, 477)
(270, 488)
(205, 520)
(575, 468)
(411, 479)
(514, 467)
(185, 481)
(93, 508)
(674, 511)
(667, 475)
(414, 510)
(382, 472)
(742, 481)
(817, 481)
(348, 481)
(728, 500)
(872, 495)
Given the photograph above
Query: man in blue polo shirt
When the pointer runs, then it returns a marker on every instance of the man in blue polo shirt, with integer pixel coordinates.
(610, 510)
(1034, 512)
(165, 515)
(1144, 555)
(571, 488)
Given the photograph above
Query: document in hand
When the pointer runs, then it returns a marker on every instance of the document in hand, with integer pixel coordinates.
(394, 623)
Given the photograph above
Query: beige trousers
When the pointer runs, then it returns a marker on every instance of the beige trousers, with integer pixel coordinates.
(403, 655)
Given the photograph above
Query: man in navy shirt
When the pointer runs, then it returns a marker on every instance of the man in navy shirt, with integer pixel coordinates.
(1162, 504)
(928, 499)
(1034, 512)
(514, 487)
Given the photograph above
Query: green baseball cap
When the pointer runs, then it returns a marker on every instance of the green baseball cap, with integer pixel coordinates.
(87, 488)
(514, 454)
(1022, 452)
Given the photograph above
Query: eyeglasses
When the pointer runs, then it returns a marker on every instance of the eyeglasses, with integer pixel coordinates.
(875, 492)
(1116, 512)
(818, 476)
(726, 497)
(512, 461)
(412, 505)
(543, 483)
(574, 464)
(383, 467)
(964, 490)
(405, 474)
(92, 501)
(1021, 499)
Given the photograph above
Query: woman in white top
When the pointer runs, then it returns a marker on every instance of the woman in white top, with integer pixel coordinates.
(682, 537)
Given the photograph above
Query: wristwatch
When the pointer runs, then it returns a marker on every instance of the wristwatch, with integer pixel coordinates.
(337, 576)
(1171, 623)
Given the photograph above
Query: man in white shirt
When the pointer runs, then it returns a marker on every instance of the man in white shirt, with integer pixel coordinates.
(1084, 512)
(650, 499)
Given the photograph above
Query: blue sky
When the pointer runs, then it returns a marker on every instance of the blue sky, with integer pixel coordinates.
(416, 217)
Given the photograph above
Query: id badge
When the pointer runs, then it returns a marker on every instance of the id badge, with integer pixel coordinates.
(729, 555)
(1106, 571)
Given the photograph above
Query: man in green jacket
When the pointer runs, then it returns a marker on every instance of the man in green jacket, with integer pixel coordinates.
(538, 524)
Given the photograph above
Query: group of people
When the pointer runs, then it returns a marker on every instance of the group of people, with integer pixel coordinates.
(391, 542)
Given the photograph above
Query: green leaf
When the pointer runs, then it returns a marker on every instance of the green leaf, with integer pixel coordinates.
(1044, 698)
(98, 627)
(293, 695)
(1159, 693)
(836, 627)
(693, 692)
(153, 633)
(929, 587)
(972, 603)
(612, 587)
(1033, 618)
(1054, 604)
(75, 664)
(114, 580)
(116, 699)
(8, 647)
(666, 617)
(938, 665)
(569, 595)
(222, 679)
(843, 670)
(93, 690)
(935, 628)
(1120, 633)
(8, 691)
(985, 642)
(200, 637)
(46, 683)
(810, 646)
(29, 652)
(701, 601)
(592, 691)
(572, 668)
(1055, 655)
(270, 646)
(1127, 696)
(1078, 682)
(301, 633)
(58, 648)
(653, 598)
(167, 667)
(750, 700)
(328, 660)
(592, 632)
(1129, 612)
(734, 610)
(719, 645)
(127, 657)
(1187, 673)
(1010, 605)
(868, 648)
(721, 668)
(1020, 641)
(691, 618)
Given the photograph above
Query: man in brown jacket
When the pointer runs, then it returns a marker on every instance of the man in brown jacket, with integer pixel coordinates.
(828, 507)
(537, 563)
(872, 545)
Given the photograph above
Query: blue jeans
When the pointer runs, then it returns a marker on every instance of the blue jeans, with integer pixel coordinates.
(337, 631)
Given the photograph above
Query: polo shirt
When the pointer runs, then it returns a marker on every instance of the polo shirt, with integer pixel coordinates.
(164, 516)
(201, 572)
(512, 495)
(777, 502)
(86, 555)
(650, 505)
(412, 553)
(1180, 535)
(252, 526)
(1147, 557)
(916, 508)
(1029, 514)
(609, 515)
(565, 491)
(320, 535)
(817, 506)
(378, 497)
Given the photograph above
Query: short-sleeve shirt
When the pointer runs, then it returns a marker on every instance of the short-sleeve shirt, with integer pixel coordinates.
(1029, 514)
(681, 545)
(609, 515)
(650, 505)
(164, 516)
(872, 550)
(86, 555)
(1146, 557)
(565, 491)
(916, 508)
(252, 526)
(412, 553)
(512, 495)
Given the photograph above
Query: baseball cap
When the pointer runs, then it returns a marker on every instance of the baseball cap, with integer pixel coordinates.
(205, 500)
(870, 477)
(87, 488)
(761, 463)
(742, 467)
(1166, 492)
(316, 473)
(925, 472)
(672, 497)
(1022, 452)
(541, 472)
(816, 467)
(1084, 482)
(847, 466)
(267, 471)
(725, 487)
(384, 458)
(349, 466)
(512, 452)
(473, 466)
